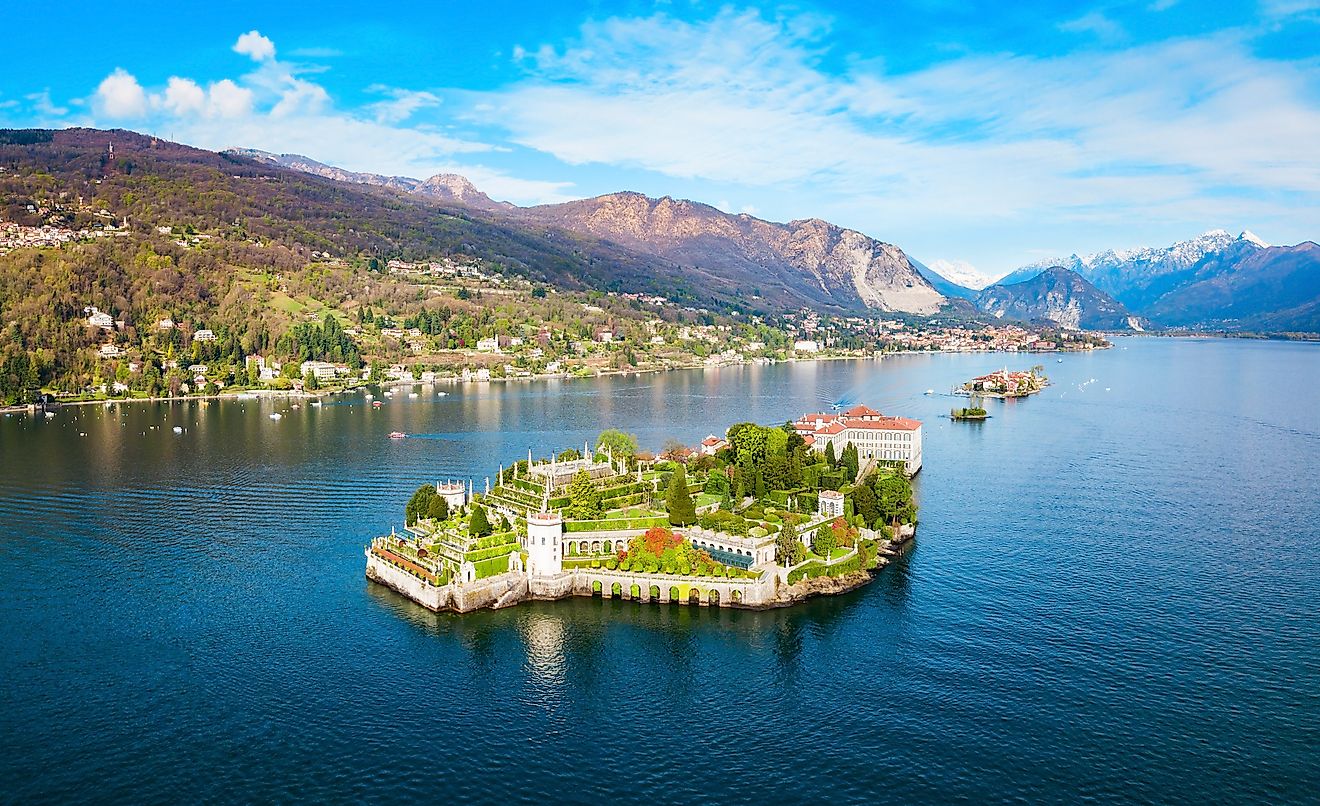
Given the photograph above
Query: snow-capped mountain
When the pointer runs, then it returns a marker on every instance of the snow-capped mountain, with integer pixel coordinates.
(1214, 281)
(1138, 277)
(962, 273)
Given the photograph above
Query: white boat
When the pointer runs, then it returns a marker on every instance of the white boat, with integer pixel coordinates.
(930, 391)
(442, 394)
(368, 395)
(276, 416)
(316, 404)
(412, 394)
(178, 430)
(50, 415)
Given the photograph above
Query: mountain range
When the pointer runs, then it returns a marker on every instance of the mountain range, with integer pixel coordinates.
(684, 250)
(809, 262)
(1061, 296)
(1213, 281)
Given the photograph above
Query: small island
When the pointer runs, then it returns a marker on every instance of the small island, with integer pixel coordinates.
(1005, 384)
(764, 516)
(972, 412)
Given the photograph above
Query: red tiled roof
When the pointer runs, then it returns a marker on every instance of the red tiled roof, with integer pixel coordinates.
(861, 411)
(887, 424)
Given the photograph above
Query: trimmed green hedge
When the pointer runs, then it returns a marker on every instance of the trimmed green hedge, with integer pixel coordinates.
(480, 555)
(492, 566)
(817, 569)
(615, 524)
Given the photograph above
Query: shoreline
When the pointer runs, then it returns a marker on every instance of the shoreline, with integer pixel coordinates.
(32, 408)
(769, 592)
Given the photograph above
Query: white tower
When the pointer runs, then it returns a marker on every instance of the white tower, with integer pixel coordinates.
(545, 531)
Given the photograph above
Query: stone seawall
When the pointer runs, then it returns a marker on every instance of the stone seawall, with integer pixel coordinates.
(770, 590)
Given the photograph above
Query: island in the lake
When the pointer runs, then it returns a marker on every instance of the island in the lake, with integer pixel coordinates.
(764, 516)
(973, 412)
(1004, 384)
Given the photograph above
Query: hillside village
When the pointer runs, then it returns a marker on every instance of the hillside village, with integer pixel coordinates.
(118, 287)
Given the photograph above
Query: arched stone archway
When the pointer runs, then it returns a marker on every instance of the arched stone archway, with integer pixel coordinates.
(673, 593)
(736, 596)
(635, 592)
(655, 593)
(616, 590)
(595, 547)
(596, 588)
(694, 597)
(713, 598)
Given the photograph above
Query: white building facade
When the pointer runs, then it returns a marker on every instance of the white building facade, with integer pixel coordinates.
(874, 435)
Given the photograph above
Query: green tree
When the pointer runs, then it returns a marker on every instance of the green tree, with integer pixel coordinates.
(748, 441)
(583, 498)
(865, 502)
(620, 445)
(831, 458)
(678, 500)
(478, 523)
(850, 462)
(419, 504)
(438, 509)
(823, 541)
(788, 549)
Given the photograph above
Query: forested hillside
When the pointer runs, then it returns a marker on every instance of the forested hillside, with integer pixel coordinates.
(220, 242)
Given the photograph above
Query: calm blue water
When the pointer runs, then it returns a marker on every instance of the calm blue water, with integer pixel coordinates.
(1115, 596)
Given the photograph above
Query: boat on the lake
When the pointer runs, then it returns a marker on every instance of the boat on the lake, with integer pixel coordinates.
(277, 416)
(397, 435)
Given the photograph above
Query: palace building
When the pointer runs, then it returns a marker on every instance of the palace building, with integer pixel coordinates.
(875, 435)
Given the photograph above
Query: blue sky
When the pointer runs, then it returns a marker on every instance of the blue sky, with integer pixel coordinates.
(977, 136)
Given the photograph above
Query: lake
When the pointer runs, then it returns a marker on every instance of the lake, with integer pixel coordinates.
(1114, 595)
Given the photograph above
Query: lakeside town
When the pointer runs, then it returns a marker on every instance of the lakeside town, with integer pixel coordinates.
(763, 516)
(473, 324)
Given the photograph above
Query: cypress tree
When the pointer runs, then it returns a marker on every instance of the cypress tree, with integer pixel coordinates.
(850, 462)
(788, 550)
(682, 509)
(478, 525)
(830, 456)
(438, 510)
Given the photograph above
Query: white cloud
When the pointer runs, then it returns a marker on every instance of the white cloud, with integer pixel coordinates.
(225, 99)
(183, 96)
(274, 108)
(1289, 8)
(120, 95)
(300, 98)
(402, 103)
(1097, 24)
(255, 46)
(43, 105)
(1173, 131)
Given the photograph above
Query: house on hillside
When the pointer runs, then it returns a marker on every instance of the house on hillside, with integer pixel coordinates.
(97, 318)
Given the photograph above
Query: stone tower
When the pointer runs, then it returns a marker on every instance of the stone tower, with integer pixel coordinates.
(545, 532)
